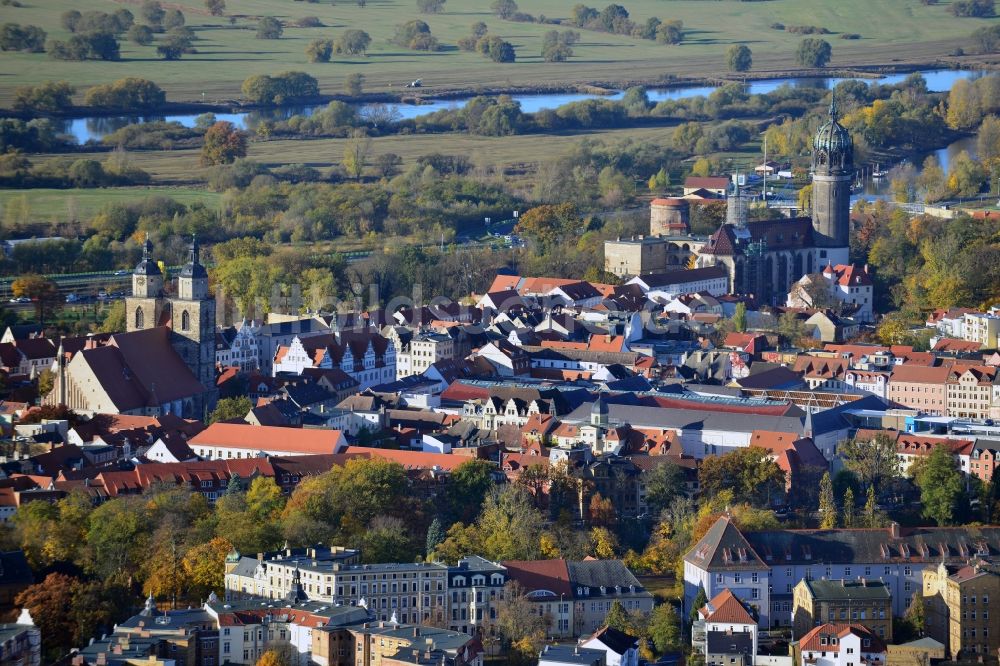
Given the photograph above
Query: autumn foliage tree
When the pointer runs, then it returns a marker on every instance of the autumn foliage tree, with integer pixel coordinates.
(40, 290)
(224, 143)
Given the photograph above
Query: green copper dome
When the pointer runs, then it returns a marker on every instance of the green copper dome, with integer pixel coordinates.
(832, 144)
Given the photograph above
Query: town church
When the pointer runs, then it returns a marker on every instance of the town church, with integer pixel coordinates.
(765, 258)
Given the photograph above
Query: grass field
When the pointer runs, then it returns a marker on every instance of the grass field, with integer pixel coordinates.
(47, 205)
(892, 31)
(181, 166)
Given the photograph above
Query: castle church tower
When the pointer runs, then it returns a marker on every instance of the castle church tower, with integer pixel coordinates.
(144, 307)
(833, 173)
(192, 319)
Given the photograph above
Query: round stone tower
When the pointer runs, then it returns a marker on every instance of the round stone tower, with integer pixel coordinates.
(669, 217)
(833, 172)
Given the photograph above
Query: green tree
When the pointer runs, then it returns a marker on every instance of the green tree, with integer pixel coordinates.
(813, 52)
(114, 318)
(470, 482)
(430, 6)
(353, 84)
(269, 28)
(223, 144)
(216, 7)
(740, 317)
(750, 473)
(47, 97)
(352, 42)
(740, 58)
(665, 628)
(509, 524)
(356, 153)
(827, 504)
(664, 483)
(387, 540)
(850, 508)
(127, 94)
(504, 9)
(173, 18)
(940, 483)
(264, 499)
(670, 32)
(230, 409)
(916, 614)
(546, 224)
(152, 12)
(699, 602)
(43, 293)
(319, 50)
(618, 618)
(435, 535)
(140, 34)
(874, 460)
(871, 517)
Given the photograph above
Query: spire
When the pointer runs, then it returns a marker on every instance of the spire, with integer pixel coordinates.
(194, 250)
(150, 609)
(833, 106)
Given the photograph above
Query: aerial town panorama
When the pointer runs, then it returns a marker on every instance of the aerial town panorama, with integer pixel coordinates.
(499, 333)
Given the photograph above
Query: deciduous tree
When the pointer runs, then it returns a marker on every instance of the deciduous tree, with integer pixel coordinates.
(940, 483)
(874, 460)
(740, 58)
(223, 144)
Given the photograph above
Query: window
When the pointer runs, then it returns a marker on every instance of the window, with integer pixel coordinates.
(185, 321)
(718, 578)
(140, 318)
(847, 572)
(907, 571)
(753, 577)
(737, 578)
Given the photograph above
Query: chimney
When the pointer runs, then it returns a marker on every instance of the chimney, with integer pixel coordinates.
(894, 529)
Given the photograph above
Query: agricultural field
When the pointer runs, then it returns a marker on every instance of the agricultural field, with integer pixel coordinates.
(891, 32)
(49, 205)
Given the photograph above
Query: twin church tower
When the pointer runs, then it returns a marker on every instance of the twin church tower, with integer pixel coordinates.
(190, 314)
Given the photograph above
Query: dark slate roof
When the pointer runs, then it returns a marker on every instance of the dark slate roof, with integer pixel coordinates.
(724, 548)
(721, 642)
(864, 590)
(608, 574)
(618, 641)
(918, 545)
(832, 419)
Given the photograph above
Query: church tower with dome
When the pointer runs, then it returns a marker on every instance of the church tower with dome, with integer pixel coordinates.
(833, 173)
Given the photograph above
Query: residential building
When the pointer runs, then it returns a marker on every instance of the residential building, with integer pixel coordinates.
(663, 287)
(725, 557)
(840, 645)
(464, 596)
(969, 391)
(846, 284)
(20, 642)
(620, 649)
(236, 346)
(982, 328)
(858, 601)
(398, 644)
(920, 388)
(367, 356)
(577, 595)
(958, 610)
(243, 440)
(274, 335)
(566, 655)
(423, 351)
(724, 560)
(725, 615)
(728, 649)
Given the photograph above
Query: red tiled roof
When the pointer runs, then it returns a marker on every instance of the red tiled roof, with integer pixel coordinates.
(953, 345)
(541, 575)
(811, 641)
(726, 607)
(268, 438)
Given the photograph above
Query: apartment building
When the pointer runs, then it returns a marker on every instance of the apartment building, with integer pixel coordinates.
(958, 611)
(969, 391)
(859, 601)
(423, 351)
(920, 387)
(982, 328)
(840, 645)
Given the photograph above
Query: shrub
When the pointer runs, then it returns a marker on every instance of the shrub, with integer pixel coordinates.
(48, 97)
(309, 22)
(352, 42)
(813, 52)
(90, 46)
(777, 26)
(430, 6)
(224, 143)
(416, 35)
(176, 43)
(496, 49)
(128, 94)
(850, 35)
(216, 7)
(280, 88)
(740, 58)
(972, 8)
(152, 12)
(269, 28)
(14, 37)
(319, 50)
(173, 18)
(558, 47)
(671, 32)
(141, 35)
